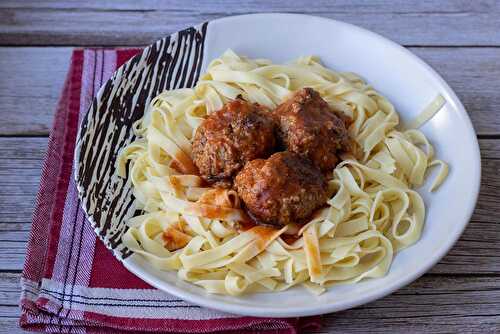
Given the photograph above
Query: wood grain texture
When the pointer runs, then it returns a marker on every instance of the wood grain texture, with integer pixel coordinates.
(9, 289)
(342, 6)
(477, 251)
(459, 300)
(9, 324)
(459, 38)
(30, 92)
(30, 84)
(474, 75)
(20, 169)
(141, 22)
(9, 300)
(437, 304)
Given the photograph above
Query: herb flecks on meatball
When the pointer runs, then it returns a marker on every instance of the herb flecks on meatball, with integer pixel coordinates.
(229, 138)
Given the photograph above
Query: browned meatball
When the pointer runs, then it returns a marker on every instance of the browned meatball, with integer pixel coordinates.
(229, 138)
(309, 127)
(285, 188)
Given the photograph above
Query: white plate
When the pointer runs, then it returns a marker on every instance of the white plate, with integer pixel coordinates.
(404, 79)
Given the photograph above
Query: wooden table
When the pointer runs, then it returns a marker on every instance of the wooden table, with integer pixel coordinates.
(460, 39)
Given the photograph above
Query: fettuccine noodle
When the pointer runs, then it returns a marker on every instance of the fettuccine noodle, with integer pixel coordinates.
(373, 211)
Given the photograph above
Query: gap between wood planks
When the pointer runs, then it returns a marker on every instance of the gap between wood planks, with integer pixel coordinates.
(438, 302)
(435, 285)
(141, 22)
(472, 72)
(477, 251)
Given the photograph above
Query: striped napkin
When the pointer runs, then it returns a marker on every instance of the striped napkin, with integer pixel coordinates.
(70, 281)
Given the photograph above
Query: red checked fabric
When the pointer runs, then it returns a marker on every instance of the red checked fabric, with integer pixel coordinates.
(71, 282)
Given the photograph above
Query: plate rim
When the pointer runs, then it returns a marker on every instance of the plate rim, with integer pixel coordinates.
(204, 300)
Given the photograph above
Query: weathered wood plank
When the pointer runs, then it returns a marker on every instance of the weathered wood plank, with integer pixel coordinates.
(468, 71)
(13, 240)
(29, 94)
(32, 78)
(9, 300)
(478, 251)
(20, 168)
(9, 311)
(9, 289)
(396, 6)
(30, 85)
(141, 22)
(13, 248)
(434, 303)
(10, 324)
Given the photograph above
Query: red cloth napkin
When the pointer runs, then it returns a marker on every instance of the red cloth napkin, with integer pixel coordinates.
(71, 282)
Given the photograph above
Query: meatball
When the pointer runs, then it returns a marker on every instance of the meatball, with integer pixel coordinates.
(285, 188)
(309, 127)
(230, 137)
